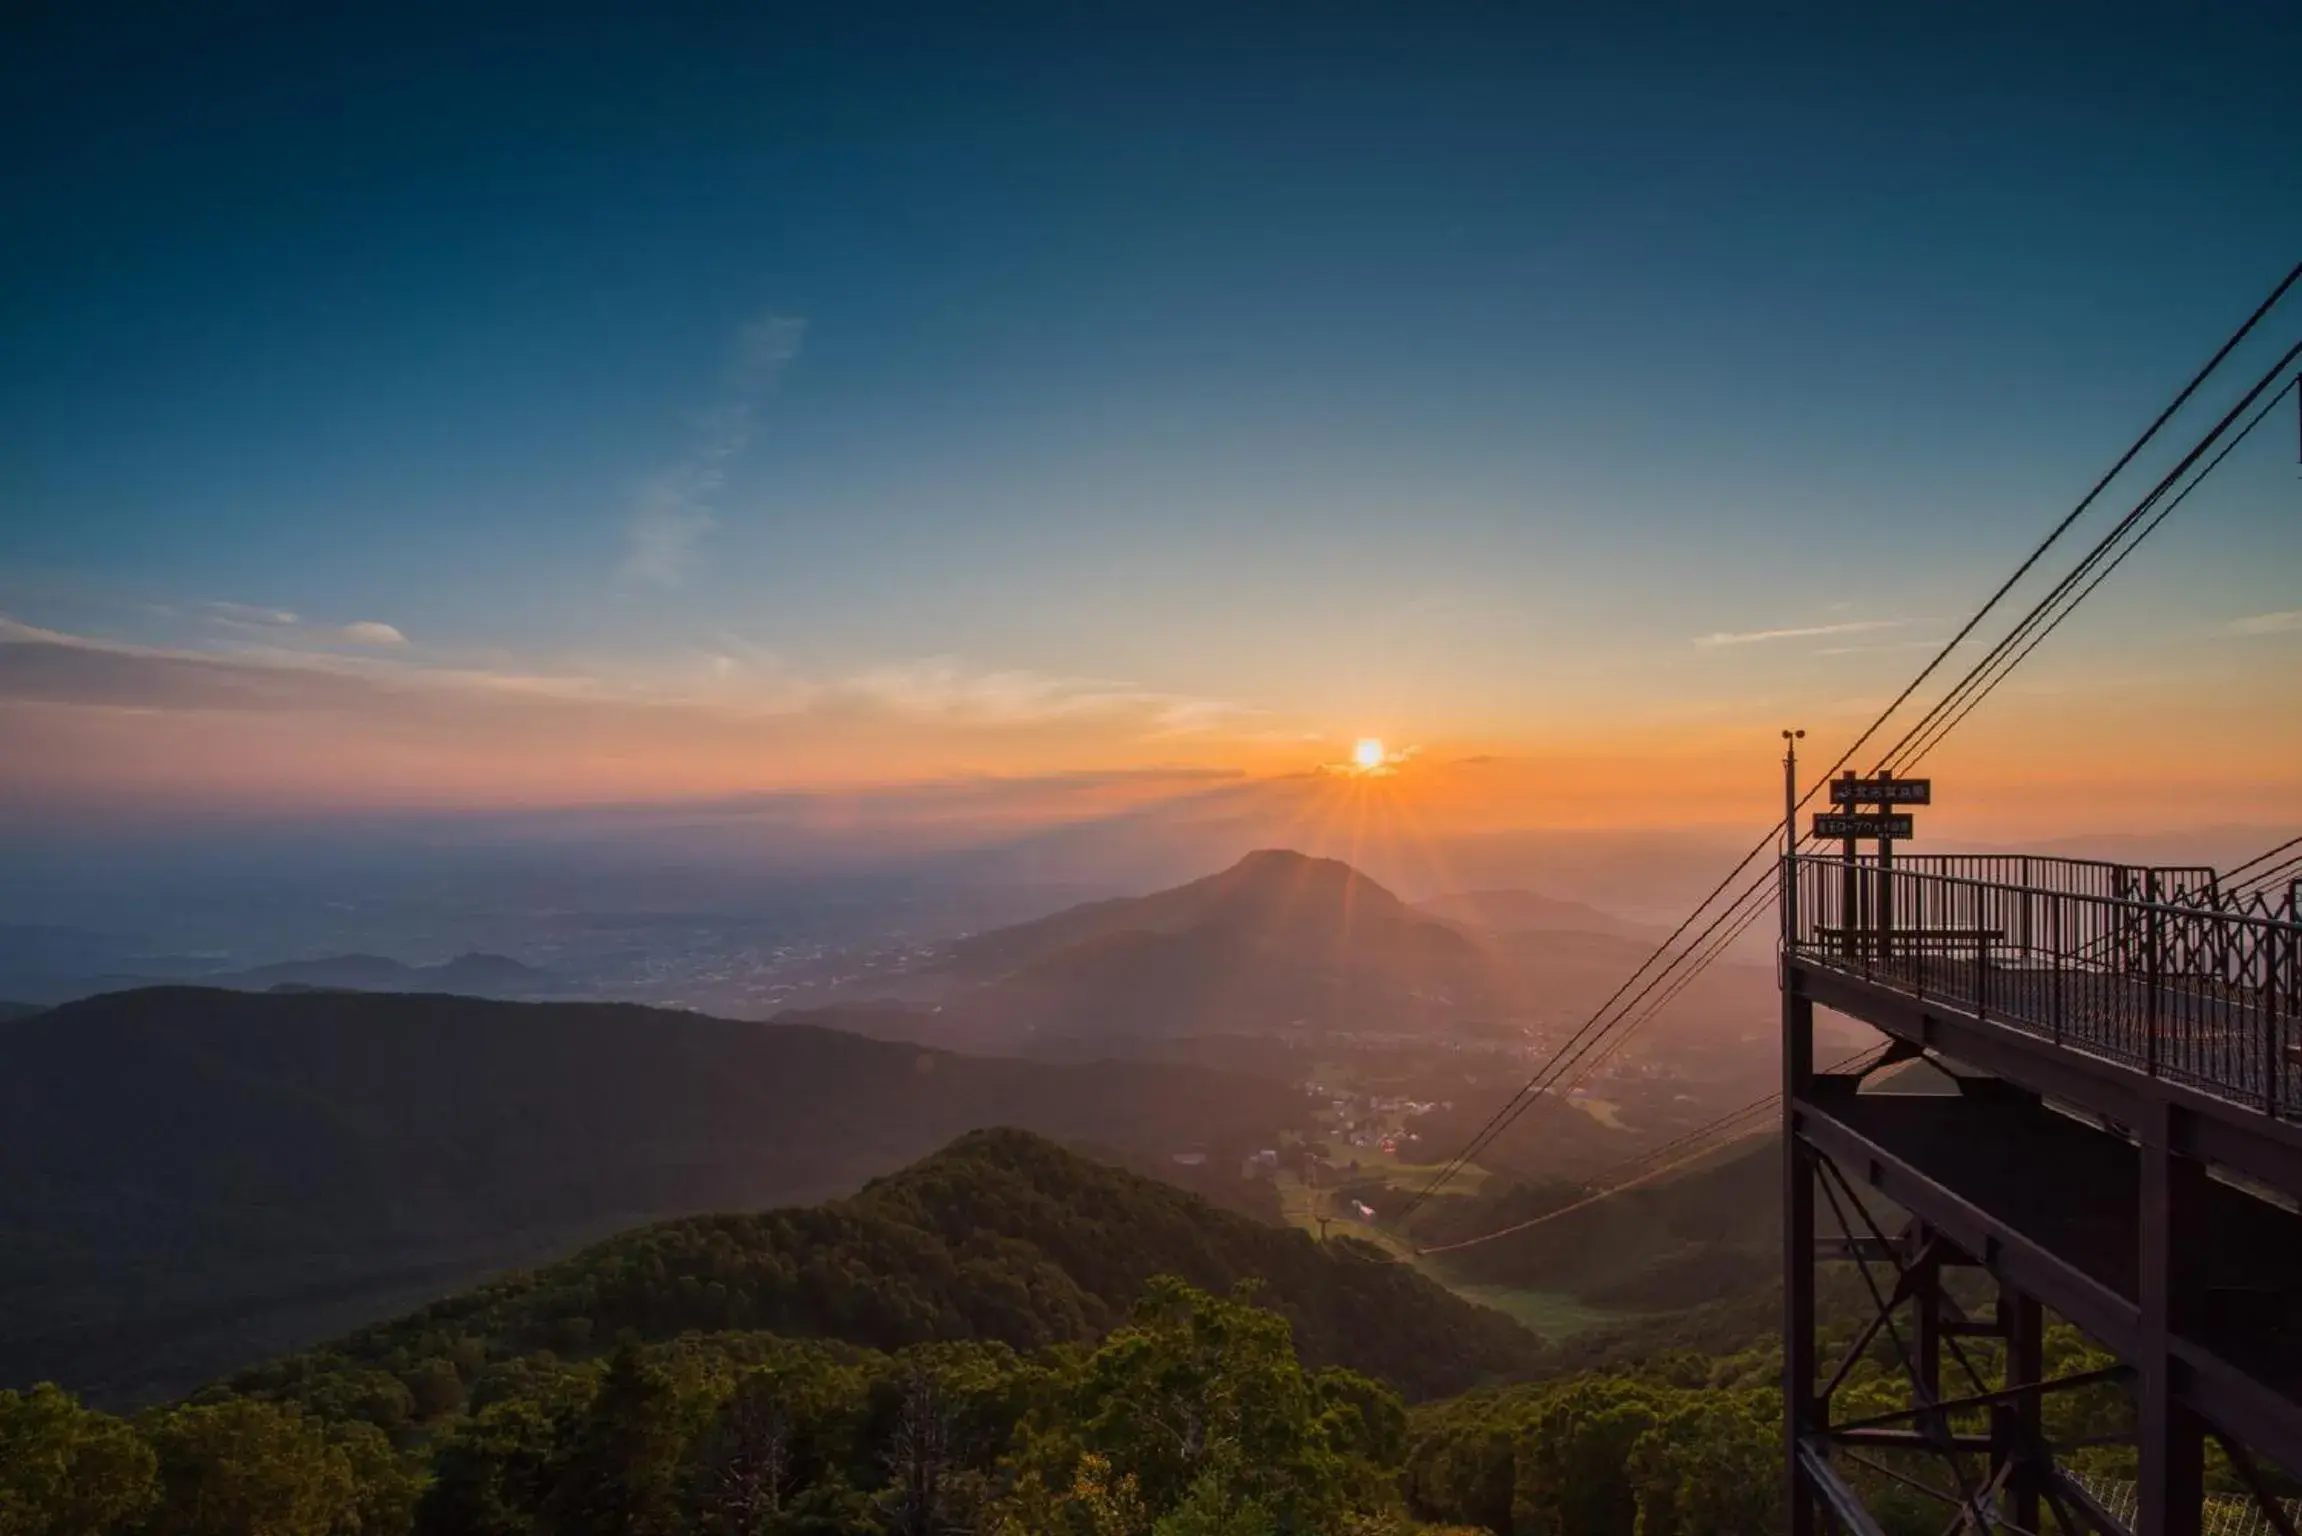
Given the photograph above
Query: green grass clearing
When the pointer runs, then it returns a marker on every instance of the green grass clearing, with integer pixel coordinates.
(1552, 1314)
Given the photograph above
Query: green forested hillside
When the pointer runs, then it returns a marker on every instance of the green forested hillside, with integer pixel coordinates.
(998, 1341)
(1708, 1232)
(1002, 1236)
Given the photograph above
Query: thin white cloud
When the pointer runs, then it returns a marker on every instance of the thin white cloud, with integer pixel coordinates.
(265, 627)
(943, 686)
(1801, 632)
(674, 510)
(248, 614)
(2286, 621)
(17, 632)
(59, 668)
(1191, 717)
(670, 517)
(253, 660)
(1887, 645)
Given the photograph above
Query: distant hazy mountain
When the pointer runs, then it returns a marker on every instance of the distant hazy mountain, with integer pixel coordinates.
(1281, 941)
(1275, 941)
(1527, 912)
(45, 963)
(472, 975)
(196, 1178)
(1274, 898)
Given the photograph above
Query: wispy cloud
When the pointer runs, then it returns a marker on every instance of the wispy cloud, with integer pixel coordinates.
(944, 686)
(674, 510)
(17, 632)
(53, 667)
(1884, 645)
(2286, 621)
(1801, 632)
(1192, 717)
(49, 664)
(267, 627)
(249, 616)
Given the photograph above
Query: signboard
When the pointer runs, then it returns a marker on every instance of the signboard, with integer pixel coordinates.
(1882, 791)
(1861, 826)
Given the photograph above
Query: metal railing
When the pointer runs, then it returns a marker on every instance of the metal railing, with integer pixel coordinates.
(2221, 1514)
(2076, 877)
(2174, 980)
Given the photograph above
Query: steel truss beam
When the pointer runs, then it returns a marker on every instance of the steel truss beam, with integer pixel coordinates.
(2007, 1477)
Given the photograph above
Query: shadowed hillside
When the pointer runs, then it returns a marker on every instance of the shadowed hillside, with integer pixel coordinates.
(1712, 1231)
(199, 1177)
(1001, 1236)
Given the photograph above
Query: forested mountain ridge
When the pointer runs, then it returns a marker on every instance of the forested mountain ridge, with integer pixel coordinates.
(1001, 1236)
(196, 1178)
(971, 1368)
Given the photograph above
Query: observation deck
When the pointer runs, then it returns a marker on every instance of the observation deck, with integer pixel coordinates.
(2123, 1149)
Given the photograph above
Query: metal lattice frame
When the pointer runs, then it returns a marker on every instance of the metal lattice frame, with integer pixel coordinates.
(1971, 1437)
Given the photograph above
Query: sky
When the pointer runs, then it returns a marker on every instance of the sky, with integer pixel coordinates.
(495, 410)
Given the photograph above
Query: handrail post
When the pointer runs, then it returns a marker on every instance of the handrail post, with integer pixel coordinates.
(1981, 974)
(2055, 1028)
(2273, 993)
(1789, 843)
(2286, 988)
(2151, 936)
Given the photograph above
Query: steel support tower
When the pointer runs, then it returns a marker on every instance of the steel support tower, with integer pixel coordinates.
(2120, 1148)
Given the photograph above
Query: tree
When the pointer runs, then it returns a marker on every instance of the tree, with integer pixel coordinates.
(1711, 1465)
(747, 1470)
(491, 1475)
(1099, 1502)
(1574, 1460)
(1210, 1509)
(384, 1486)
(1202, 1398)
(622, 1476)
(66, 1470)
(435, 1390)
(245, 1467)
(919, 1462)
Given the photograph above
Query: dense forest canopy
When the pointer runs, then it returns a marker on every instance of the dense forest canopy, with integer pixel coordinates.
(1004, 1340)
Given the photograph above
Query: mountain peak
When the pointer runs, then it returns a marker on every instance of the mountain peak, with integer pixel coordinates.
(1278, 940)
(1290, 859)
(1298, 870)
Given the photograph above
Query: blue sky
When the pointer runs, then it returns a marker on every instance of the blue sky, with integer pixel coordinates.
(1198, 375)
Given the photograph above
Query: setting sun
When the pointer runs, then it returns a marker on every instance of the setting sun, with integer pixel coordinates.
(1368, 753)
